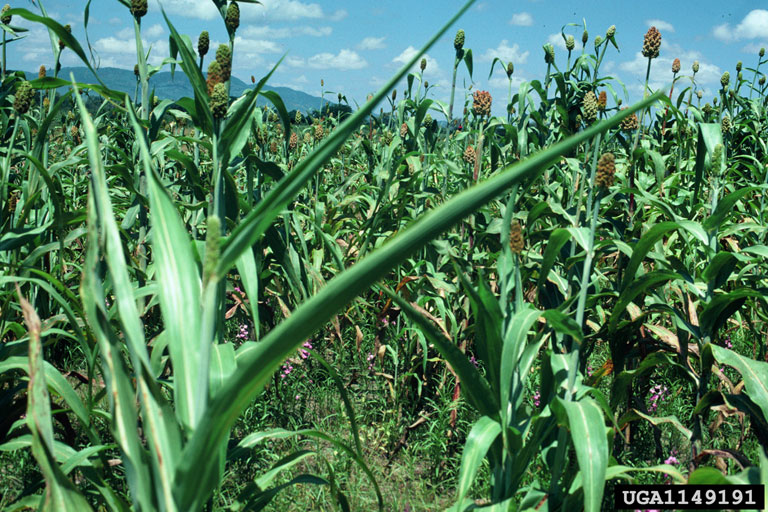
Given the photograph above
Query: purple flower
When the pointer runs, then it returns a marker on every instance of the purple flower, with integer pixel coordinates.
(474, 361)
(371, 360)
(243, 334)
(537, 399)
(658, 394)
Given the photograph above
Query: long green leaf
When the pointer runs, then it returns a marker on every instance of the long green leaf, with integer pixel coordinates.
(484, 432)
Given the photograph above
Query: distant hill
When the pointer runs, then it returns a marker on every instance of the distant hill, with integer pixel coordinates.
(165, 87)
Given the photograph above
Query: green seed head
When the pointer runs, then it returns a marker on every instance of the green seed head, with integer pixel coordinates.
(695, 66)
(610, 32)
(68, 28)
(298, 117)
(598, 41)
(717, 158)
(428, 120)
(725, 79)
(699, 94)
(219, 101)
(224, 58)
(138, 8)
(516, 240)
(203, 43)
(589, 107)
(24, 96)
(458, 41)
(5, 19)
(136, 72)
(725, 125)
(510, 69)
(652, 43)
(738, 66)
(570, 43)
(739, 77)
(232, 18)
(761, 81)
(423, 65)
(549, 53)
(762, 53)
(584, 37)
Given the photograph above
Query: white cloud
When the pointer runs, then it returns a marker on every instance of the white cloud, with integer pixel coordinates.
(255, 46)
(753, 26)
(267, 32)
(433, 68)
(120, 52)
(344, 60)
(285, 10)
(154, 31)
(506, 53)
(372, 43)
(521, 19)
(556, 40)
(663, 26)
(754, 48)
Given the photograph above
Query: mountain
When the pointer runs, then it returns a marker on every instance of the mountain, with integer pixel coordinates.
(165, 87)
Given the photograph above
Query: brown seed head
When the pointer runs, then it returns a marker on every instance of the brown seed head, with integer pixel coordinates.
(606, 169)
(214, 76)
(41, 72)
(68, 28)
(481, 106)
(602, 101)
(224, 58)
(676, 66)
(293, 141)
(469, 155)
(318, 131)
(403, 131)
(516, 240)
(652, 43)
(629, 123)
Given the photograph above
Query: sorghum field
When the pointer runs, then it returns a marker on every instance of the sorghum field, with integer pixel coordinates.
(212, 305)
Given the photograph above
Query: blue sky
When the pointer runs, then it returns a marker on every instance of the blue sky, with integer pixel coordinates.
(355, 46)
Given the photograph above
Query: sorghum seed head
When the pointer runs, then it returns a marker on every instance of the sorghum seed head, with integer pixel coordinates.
(549, 53)
(598, 41)
(619, 102)
(232, 19)
(426, 84)
(481, 106)
(322, 83)
(5, 19)
(423, 64)
(136, 70)
(629, 123)
(725, 125)
(584, 37)
(516, 241)
(224, 58)
(394, 95)
(458, 41)
(68, 28)
(46, 103)
(738, 66)
(24, 96)
(606, 170)
(739, 77)
(610, 32)
(219, 101)
(510, 69)
(293, 141)
(138, 8)
(403, 130)
(41, 72)
(602, 101)
(273, 147)
(589, 107)
(428, 120)
(695, 66)
(699, 94)
(652, 43)
(203, 43)
(570, 43)
(214, 76)
(761, 81)
(318, 131)
(761, 54)
(298, 117)
(307, 137)
(469, 155)
(676, 66)
(725, 79)
(73, 131)
(707, 109)
(717, 158)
